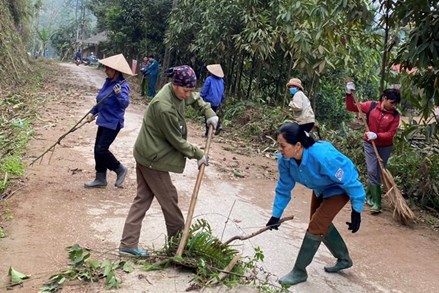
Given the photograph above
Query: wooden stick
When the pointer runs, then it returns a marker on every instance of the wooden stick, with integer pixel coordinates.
(75, 127)
(245, 237)
(187, 225)
(226, 271)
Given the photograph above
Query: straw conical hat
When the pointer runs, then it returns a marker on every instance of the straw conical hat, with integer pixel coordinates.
(216, 70)
(117, 62)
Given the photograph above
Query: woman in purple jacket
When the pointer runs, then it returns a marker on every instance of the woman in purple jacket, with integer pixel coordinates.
(112, 100)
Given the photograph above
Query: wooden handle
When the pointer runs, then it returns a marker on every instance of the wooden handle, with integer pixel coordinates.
(380, 161)
(190, 213)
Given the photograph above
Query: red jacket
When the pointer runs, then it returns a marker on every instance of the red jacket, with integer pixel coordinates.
(383, 123)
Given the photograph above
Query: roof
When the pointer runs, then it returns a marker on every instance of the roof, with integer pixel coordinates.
(100, 37)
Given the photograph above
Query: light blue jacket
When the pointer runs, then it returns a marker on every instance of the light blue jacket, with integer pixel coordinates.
(323, 169)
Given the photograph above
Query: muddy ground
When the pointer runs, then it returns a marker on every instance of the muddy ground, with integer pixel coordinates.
(51, 210)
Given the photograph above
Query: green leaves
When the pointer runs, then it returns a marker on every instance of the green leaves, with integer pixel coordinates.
(16, 277)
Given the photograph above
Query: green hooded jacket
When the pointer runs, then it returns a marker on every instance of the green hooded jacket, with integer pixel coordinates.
(161, 144)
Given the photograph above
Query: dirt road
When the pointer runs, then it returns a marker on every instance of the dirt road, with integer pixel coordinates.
(52, 210)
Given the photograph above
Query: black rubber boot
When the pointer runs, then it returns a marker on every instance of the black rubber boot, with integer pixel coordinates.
(336, 245)
(307, 251)
(100, 181)
(121, 172)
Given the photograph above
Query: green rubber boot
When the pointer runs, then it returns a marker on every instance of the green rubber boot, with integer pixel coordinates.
(100, 181)
(376, 198)
(369, 200)
(307, 251)
(334, 242)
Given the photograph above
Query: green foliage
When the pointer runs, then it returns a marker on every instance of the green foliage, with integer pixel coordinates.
(16, 277)
(208, 256)
(2, 233)
(84, 269)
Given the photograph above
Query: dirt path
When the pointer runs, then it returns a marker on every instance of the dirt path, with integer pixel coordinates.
(53, 211)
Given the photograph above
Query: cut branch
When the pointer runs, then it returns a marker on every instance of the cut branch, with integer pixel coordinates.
(245, 237)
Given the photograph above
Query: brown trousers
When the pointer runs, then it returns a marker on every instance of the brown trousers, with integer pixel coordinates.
(323, 212)
(150, 184)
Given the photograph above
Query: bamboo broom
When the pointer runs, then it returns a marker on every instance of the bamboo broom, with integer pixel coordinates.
(401, 211)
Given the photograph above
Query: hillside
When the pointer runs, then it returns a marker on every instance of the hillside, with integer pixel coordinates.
(12, 53)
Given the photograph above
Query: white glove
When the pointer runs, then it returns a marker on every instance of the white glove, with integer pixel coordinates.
(204, 160)
(117, 89)
(350, 86)
(371, 135)
(90, 117)
(213, 121)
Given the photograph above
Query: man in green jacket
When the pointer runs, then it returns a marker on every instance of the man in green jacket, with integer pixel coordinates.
(162, 147)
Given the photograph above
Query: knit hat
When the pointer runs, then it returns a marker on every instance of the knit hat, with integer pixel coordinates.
(216, 70)
(295, 82)
(184, 76)
(117, 62)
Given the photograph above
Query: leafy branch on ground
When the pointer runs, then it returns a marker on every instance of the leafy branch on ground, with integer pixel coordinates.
(204, 254)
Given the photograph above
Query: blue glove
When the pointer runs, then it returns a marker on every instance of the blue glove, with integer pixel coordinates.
(354, 225)
(273, 223)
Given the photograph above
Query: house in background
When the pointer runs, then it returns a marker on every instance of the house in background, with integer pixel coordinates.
(92, 45)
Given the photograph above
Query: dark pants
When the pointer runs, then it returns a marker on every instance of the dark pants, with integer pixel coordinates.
(215, 109)
(373, 167)
(323, 212)
(104, 159)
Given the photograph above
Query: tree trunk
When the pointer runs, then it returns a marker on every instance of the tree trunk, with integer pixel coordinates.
(386, 39)
(250, 79)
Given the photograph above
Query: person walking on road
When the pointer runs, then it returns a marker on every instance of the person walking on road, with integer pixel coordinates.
(383, 120)
(162, 147)
(213, 91)
(113, 98)
(300, 105)
(334, 180)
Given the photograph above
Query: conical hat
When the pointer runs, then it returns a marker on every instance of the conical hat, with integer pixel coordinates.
(216, 70)
(117, 62)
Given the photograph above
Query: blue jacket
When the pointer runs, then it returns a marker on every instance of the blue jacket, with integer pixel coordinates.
(111, 111)
(323, 169)
(213, 91)
(153, 68)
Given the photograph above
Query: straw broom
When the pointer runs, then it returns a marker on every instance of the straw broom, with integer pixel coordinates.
(401, 210)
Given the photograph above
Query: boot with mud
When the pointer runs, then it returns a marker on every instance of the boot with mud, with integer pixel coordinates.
(121, 172)
(100, 181)
(336, 245)
(376, 199)
(307, 251)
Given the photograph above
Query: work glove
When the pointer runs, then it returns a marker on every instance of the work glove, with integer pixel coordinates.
(90, 117)
(354, 225)
(203, 161)
(213, 121)
(371, 135)
(273, 223)
(350, 86)
(117, 89)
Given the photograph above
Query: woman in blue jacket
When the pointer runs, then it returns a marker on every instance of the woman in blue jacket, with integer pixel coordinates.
(334, 180)
(112, 100)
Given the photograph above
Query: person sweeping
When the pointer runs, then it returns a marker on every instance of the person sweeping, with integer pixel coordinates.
(383, 120)
(333, 178)
(112, 100)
